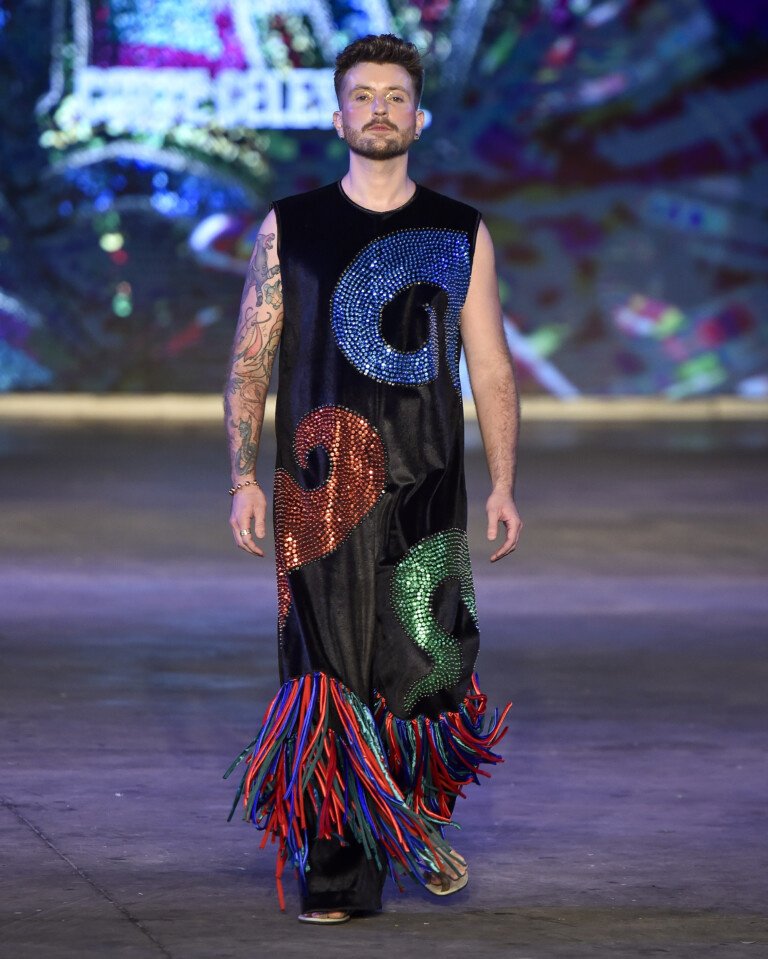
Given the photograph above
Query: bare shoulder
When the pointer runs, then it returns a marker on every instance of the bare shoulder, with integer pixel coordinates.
(483, 282)
(269, 223)
(483, 246)
(267, 237)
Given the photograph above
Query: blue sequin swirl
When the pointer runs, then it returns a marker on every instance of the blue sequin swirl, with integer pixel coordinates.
(378, 273)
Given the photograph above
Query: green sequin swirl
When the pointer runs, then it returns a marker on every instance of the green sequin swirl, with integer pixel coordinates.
(416, 577)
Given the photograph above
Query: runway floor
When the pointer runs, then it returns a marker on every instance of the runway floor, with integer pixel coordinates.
(138, 653)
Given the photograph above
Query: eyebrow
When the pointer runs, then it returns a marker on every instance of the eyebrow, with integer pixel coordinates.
(363, 86)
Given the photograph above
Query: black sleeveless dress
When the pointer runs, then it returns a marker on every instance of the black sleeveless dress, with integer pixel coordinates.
(379, 721)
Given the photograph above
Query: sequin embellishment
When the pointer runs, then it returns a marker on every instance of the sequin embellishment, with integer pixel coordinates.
(416, 577)
(311, 523)
(376, 275)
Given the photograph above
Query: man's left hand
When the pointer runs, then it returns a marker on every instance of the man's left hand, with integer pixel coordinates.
(501, 509)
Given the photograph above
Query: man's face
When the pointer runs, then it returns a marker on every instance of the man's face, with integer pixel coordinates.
(378, 115)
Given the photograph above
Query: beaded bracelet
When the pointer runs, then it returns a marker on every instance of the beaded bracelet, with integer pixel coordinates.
(236, 489)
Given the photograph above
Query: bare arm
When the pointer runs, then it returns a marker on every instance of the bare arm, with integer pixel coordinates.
(493, 386)
(257, 337)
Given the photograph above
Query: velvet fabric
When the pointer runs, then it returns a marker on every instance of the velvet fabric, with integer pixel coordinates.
(342, 620)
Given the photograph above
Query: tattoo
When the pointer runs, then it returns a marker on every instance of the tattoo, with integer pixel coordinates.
(256, 341)
(258, 268)
(274, 294)
(248, 449)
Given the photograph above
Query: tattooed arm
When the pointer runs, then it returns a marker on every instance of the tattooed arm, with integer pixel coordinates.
(257, 337)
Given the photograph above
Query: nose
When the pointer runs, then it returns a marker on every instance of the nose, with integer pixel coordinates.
(380, 105)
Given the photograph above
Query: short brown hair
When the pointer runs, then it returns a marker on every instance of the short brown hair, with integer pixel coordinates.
(384, 48)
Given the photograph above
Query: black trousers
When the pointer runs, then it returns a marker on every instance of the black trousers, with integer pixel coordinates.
(341, 877)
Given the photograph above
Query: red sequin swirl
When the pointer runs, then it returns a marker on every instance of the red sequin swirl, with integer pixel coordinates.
(312, 523)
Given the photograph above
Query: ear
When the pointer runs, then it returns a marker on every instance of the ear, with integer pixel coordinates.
(338, 123)
(420, 120)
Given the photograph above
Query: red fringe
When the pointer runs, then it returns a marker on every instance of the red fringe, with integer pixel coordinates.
(433, 759)
(296, 763)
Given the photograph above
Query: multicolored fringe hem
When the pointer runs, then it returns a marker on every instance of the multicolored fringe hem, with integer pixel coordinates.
(301, 775)
(431, 760)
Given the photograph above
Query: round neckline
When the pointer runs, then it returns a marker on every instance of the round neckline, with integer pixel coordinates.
(365, 209)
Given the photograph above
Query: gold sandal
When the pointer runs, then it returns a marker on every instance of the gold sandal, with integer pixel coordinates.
(443, 884)
(330, 918)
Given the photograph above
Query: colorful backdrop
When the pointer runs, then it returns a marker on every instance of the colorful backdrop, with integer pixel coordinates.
(618, 150)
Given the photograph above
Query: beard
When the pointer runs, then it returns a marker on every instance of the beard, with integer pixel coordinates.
(375, 146)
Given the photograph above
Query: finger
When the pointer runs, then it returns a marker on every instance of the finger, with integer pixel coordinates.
(260, 521)
(247, 543)
(242, 534)
(493, 525)
(251, 547)
(510, 541)
(508, 546)
(238, 537)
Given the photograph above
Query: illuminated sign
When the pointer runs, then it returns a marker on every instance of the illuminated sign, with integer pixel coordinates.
(136, 100)
(168, 63)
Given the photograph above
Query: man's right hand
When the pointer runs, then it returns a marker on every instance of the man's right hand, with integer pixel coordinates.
(249, 517)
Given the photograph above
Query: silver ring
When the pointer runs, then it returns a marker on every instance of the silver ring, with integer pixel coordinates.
(245, 532)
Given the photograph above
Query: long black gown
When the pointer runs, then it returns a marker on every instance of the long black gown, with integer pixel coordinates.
(379, 721)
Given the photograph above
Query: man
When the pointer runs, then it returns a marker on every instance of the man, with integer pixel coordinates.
(370, 285)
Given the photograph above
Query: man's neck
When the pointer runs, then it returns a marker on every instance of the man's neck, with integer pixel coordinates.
(378, 184)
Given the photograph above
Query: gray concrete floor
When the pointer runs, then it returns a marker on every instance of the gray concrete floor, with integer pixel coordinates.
(138, 653)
